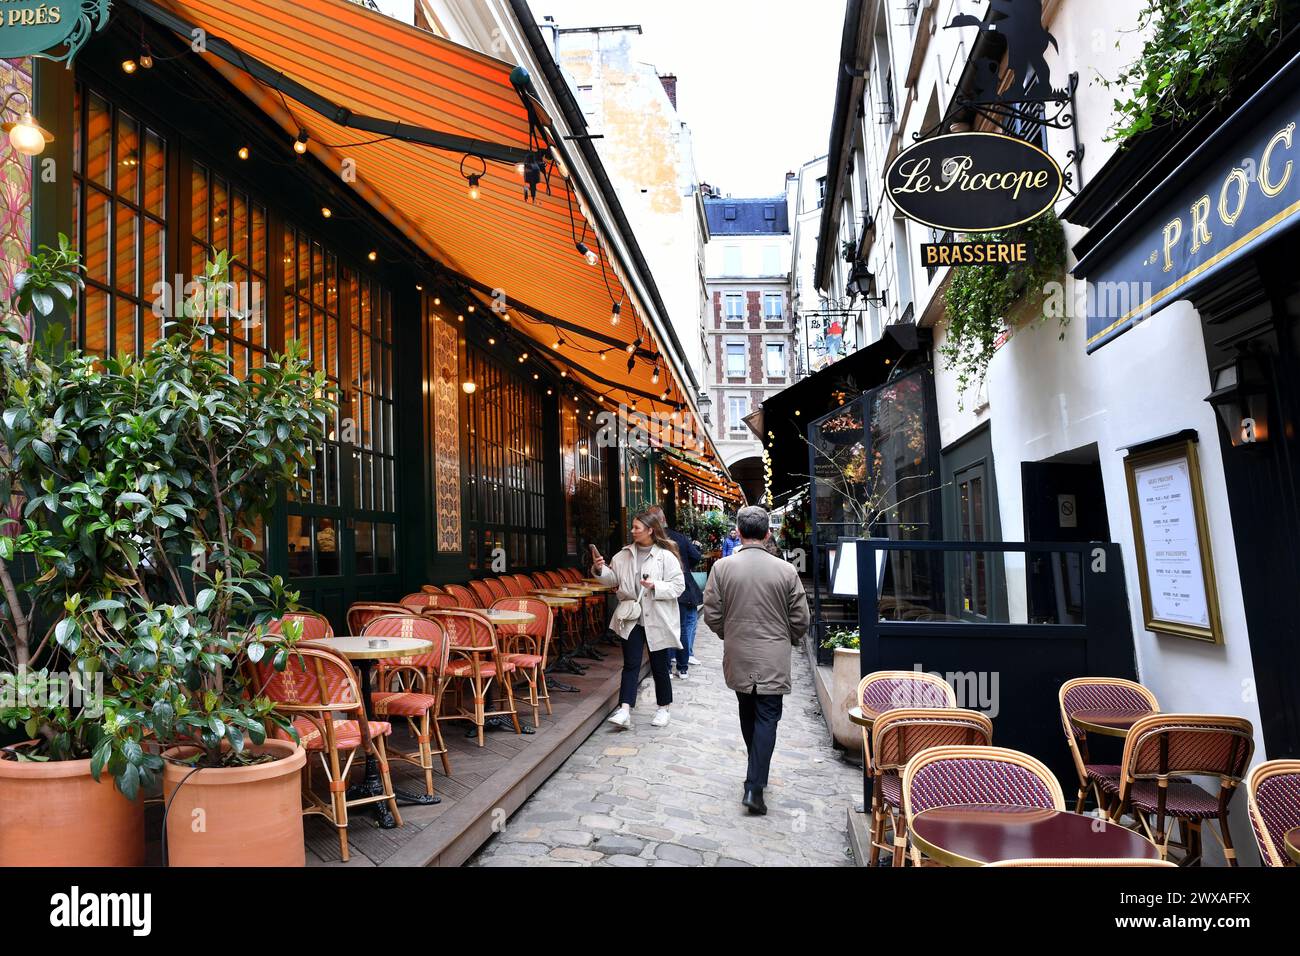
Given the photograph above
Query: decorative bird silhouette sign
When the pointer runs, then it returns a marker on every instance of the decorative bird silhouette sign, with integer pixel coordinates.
(1020, 22)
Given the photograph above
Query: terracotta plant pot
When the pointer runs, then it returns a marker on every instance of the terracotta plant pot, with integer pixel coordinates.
(236, 816)
(54, 813)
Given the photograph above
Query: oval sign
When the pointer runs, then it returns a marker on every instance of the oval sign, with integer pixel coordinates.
(973, 182)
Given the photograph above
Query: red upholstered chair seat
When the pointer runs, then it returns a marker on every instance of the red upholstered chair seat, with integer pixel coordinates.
(402, 703)
(347, 733)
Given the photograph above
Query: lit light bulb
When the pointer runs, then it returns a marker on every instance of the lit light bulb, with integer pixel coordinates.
(615, 313)
(300, 142)
(146, 58)
(655, 377)
(326, 211)
(470, 307)
(468, 387)
(243, 152)
(27, 136)
(588, 253)
(474, 191)
(128, 66)
(372, 255)
(630, 348)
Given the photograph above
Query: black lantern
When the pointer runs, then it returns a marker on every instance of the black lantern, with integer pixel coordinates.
(706, 406)
(861, 282)
(1240, 398)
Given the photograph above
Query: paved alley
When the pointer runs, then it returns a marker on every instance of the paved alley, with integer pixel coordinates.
(671, 796)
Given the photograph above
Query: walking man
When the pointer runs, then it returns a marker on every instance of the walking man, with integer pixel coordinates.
(688, 605)
(755, 602)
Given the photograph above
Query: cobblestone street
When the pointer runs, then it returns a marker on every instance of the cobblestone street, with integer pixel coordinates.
(671, 796)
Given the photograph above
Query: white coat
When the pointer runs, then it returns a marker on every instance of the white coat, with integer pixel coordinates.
(659, 613)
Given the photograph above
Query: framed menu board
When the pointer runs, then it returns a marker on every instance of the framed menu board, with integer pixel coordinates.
(1175, 567)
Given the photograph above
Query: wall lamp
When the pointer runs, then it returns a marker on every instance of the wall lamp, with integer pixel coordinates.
(1240, 398)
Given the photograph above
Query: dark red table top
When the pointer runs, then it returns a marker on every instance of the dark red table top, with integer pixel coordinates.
(974, 835)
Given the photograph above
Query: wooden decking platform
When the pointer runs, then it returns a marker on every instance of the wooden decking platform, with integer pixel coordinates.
(486, 786)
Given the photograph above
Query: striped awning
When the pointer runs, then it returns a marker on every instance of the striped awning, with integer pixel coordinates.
(501, 243)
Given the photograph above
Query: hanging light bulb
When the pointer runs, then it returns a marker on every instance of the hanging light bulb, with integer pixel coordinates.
(631, 364)
(243, 152)
(326, 211)
(128, 66)
(588, 254)
(615, 313)
(564, 373)
(146, 58)
(470, 307)
(474, 191)
(602, 354)
(437, 300)
(468, 387)
(27, 136)
(655, 377)
(558, 342)
(630, 348)
(300, 142)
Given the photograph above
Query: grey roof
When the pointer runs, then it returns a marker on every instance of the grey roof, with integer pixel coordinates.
(747, 217)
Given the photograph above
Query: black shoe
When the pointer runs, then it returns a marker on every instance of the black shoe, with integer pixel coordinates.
(754, 800)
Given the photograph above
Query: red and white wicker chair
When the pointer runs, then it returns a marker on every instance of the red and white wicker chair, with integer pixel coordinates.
(1161, 747)
(528, 647)
(314, 625)
(411, 688)
(315, 686)
(432, 589)
(466, 597)
(896, 737)
(1273, 802)
(483, 594)
(1098, 693)
(987, 776)
(476, 660)
(498, 589)
(363, 612)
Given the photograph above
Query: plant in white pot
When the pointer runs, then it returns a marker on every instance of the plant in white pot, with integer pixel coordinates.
(845, 676)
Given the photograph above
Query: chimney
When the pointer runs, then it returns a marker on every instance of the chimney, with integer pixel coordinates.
(669, 80)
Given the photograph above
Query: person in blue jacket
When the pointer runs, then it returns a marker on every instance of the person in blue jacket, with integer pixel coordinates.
(730, 543)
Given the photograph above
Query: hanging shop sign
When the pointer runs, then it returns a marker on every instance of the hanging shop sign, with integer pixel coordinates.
(936, 254)
(973, 182)
(1238, 191)
(37, 27)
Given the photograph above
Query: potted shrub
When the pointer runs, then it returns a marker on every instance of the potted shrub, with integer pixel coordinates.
(55, 807)
(158, 471)
(845, 675)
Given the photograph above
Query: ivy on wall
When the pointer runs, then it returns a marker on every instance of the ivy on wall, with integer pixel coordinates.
(979, 298)
(1195, 52)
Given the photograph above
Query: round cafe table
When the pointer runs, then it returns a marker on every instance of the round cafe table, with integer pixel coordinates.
(1292, 843)
(560, 603)
(364, 651)
(1109, 723)
(974, 835)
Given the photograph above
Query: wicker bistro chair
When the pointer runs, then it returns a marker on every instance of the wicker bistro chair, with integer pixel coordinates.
(1158, 748)
(1273, 802)
(1121, 862)
(880, 691)
(1098, 693)
(476, 659)
(568, 636)
(896, 737)
(497, 587)
(483, 594)
(433, 602)
(411, 687)
(991, 776)
(512, 585)
(314, 687)
(466, 597)
(528, 646)
(363, 612)
(314, 625)
(431, 589)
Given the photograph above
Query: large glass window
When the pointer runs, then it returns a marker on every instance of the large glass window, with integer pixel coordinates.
(370, 400)
(507, 508)
(737, 367)
(773, 306)
(584, 481)
(735, 306)
(775, 360)
(119, 187)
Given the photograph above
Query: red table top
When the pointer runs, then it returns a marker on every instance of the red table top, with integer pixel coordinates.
(974, 835)
(1292, 843)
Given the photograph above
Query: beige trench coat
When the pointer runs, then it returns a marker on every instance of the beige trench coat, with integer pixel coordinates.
(659, 613)
(755, 602)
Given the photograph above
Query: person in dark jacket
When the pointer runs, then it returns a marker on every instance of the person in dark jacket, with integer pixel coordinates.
(689, 602)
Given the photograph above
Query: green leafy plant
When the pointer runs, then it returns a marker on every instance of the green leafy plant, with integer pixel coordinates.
(843, 639)
(979, 299)
(146, 481)
(1194, 54)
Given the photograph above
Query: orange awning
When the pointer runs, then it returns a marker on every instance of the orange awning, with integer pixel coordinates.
(375, 66)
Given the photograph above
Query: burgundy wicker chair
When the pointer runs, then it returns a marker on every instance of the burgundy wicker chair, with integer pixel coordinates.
(1273, 791)
(528, 647)
(411, 687)
(363, 612)
(483, 595)
(896, 737)
(1098, 693)
(988, 776)
(1160, 747)
(316, 685)
(314, 625)
(880, 691)
(475, 659)
(466, 597)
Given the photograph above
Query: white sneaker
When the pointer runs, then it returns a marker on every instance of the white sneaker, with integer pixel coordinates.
(621, 718)
(692, 661)
(675, 675)
(686, 676)
(660, 718)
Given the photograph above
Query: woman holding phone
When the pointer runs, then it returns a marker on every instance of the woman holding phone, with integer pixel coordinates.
(648, 574)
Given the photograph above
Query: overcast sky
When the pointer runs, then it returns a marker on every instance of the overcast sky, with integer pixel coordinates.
(755, 78)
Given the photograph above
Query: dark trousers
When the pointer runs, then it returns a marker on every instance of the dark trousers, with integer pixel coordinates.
(633, 653)
(759, 715)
